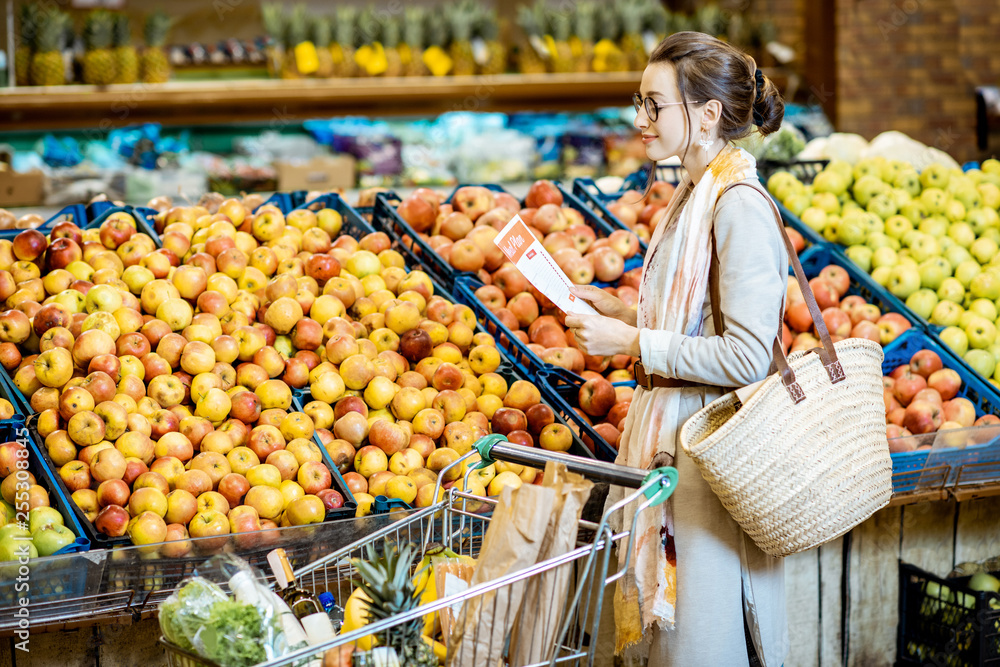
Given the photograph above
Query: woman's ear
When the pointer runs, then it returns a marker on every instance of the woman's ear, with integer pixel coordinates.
(711, 114)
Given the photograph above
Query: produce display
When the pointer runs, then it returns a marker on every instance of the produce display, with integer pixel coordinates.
(930, 238)
(922, 397)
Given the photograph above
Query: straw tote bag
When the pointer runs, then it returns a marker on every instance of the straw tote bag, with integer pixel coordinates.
(805, 458)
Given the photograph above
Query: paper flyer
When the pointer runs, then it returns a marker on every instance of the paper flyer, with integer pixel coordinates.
(536, 264)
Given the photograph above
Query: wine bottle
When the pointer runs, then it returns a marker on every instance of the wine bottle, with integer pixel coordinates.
(304, 605)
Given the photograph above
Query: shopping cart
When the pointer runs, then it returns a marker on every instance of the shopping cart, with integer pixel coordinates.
(460, 522)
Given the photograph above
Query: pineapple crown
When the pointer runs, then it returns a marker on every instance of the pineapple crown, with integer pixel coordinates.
(369, 27)
(560, 24)
(413, 26)
(657, 19)
(97, 29)
(388, 583)
(296, 27)
(391, 30)
(28, 23)
(610, 22)
(273, 16)
(584, 21)
(462, 18)
(347, 18)
(710, 20)
(632, 13)
(529, 20)
(487, 24)
(122, 30)
(437, 33)
(320, 31)
(156, 29)
(50, 33)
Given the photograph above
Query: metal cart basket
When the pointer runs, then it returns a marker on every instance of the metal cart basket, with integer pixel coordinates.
(460, 522)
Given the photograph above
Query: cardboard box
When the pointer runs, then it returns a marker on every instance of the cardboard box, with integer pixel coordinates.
(17, 189)
(319, 173)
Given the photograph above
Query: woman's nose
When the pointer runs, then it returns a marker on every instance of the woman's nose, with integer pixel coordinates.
(640, 122)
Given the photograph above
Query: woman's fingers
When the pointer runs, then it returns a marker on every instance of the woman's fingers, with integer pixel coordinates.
(588, 292)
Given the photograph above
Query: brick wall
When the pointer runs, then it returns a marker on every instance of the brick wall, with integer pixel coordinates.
(912, 66)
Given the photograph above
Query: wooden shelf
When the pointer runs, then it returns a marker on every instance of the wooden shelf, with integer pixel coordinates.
(278, 101)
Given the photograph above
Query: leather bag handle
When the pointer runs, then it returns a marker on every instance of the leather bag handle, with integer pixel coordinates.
(827, 352)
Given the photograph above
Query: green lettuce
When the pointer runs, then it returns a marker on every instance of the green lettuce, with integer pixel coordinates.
(188, 609)
(234, 635)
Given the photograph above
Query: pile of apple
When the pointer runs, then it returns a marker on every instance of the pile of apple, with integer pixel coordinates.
(845, 316)
(405, 384)
(462, 232)
(932, 239)
(922, 397)
(642, 214)
(45, 531)
(153, 429)
(28, 221)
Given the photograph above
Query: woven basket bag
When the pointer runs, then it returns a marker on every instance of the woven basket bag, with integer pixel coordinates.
(805, 459)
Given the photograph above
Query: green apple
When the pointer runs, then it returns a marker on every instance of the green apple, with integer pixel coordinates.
(934, 225)
(882, 205)
(962, 233)
(925, 247)
(900, 197)
(814, 217)
(994, 349)
(981, 219)
(933, 271)
(956, 254)
(40, 517)
(897, 226)
(981, 332)
(827, 201)
(922, 302)
(832, 225)
(868, 167)
(984, 250)
(985, 285)
(867, 188)
(954, 210)
(915, 211)
(967, 271)
(975, 175)
(874, 223)
(12, 548)
(990, 194)
(51, 539)
(981, 361)
(908, 180)
(910, 236)
(935, 176)
(934, 200)
(967, 317)
(884, 257)
(283, 344)
(951, 290)
(878, 240)
(891, 169)
(991, 166)
(991, 233)
(779, 181)
(72, 299)
(955, 339)
(945, 243)
(905, 257)
(982, 581)
(843, 168)
(904, 280)
(862, 256)
(797, 203)
(852, 230)
(881, 275)
(984, 308)
(7, 511)
(968, 195)
(946, 314)
(830, 181)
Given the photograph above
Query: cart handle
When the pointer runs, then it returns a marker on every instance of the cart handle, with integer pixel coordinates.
(657, 484)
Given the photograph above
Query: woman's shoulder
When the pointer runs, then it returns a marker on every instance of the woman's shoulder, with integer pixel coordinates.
(746, 197)
(745, 213)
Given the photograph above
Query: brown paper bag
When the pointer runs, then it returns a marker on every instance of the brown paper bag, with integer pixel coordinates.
(511, 544)
(539, 621)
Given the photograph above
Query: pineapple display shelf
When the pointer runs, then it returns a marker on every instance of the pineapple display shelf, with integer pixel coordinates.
(201, 102)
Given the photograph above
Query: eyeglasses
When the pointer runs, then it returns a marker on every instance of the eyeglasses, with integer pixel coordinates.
(652, 108)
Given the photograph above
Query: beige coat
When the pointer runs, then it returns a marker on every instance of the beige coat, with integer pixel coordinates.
(716, 561)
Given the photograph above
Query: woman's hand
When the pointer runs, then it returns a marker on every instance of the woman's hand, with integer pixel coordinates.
(604, 303)
(602, 336)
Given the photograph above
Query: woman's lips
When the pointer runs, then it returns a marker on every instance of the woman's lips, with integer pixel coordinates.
(648, 138)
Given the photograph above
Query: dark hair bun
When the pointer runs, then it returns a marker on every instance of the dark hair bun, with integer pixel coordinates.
(769, 108)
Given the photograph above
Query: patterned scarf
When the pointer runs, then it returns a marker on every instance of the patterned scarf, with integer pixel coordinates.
(674, 286)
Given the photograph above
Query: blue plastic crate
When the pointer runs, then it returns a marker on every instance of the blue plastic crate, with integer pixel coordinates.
(75, 213)
(13, 394)
(353, 225)
(286, 201)
(143, 218)
(587, 191)
(671, 173)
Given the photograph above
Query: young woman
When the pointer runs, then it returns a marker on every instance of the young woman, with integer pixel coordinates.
(698, 592)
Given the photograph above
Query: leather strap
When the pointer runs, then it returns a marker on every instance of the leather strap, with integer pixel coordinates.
(650, 380)
(827, 352)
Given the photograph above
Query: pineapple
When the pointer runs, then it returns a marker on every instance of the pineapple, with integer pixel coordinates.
(435, 56)
(608, 57)
(295, 34)
(47, 65)
(632, 13)
(389, 586)
(273, 16)
(460, 19)
(343, 50)
(320, 29)
(29, 18)
(98, 61)
(126, 59)
(488, 30)
(390, 42)
(562, 54)
(530, 50)
(412, 49)
(582, 41)
(154, 67)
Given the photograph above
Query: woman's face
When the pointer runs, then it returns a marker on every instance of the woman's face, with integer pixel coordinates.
(668, 136)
